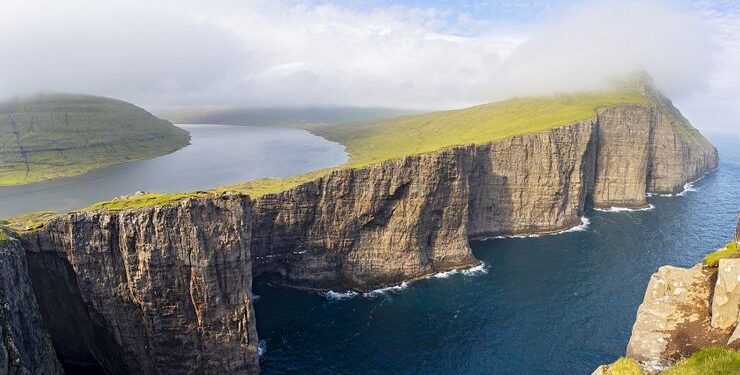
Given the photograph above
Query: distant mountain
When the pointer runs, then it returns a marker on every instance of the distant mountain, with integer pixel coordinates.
(57, 135)
(281, 117)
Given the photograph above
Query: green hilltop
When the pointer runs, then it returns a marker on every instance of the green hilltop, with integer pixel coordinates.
(58, 135)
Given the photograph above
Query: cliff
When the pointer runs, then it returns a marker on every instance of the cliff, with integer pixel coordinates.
(686, 310)
(156, 290)
(168, 288)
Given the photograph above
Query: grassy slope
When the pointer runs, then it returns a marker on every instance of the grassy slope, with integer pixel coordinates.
(60, 135)
(703, 362)
(375, 142)
(731, 250)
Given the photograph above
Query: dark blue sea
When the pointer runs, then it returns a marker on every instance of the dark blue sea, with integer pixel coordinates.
(558, 304)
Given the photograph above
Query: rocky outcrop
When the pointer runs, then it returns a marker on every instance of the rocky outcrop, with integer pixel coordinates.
(673, 320)
(150, 291)
(25, 347)
(685, 310)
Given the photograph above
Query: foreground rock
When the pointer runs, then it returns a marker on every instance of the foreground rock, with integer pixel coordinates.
(685, 310)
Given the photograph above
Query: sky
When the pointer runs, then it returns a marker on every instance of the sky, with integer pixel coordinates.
(405, 54)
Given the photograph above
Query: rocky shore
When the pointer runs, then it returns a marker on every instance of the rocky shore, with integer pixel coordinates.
(167, 289)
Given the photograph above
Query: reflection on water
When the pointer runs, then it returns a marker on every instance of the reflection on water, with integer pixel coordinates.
(218, 155)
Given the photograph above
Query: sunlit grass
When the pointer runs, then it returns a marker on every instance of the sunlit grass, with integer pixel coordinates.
(708, 361)
(731, 250)
(375, 142)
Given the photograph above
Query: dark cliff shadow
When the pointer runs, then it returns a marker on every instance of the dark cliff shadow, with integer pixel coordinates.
(78, 340)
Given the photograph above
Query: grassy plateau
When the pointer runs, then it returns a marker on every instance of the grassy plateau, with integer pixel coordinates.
(58, 135)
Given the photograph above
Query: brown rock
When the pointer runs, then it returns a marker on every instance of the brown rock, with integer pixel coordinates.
(726, 297)
(155, 290)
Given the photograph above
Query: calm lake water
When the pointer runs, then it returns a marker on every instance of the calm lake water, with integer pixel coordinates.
(217, 155)
(547, 305)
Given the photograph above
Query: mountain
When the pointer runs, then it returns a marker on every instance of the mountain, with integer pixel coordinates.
(58, 135)
(281, 117)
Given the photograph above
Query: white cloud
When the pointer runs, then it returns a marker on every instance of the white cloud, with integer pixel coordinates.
(288, 53)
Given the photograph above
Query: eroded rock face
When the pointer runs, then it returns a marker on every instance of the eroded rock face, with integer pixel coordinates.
(670, 292)
(674, 319)
(726, 298)
(25, 347)
(623, 156)
(532, 184)
(364, 228)
(150, 291)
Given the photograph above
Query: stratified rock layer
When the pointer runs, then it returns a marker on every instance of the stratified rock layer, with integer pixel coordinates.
(25, 347)
(150, 291)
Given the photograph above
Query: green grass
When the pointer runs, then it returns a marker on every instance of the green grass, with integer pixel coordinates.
(708, 361)
(624, 366)
(375, 142)
(731, 250)
(143, 200)
(51, 136)
(3, 237)
(29, 221)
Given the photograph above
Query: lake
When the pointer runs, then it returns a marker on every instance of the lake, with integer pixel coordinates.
(559, 304)
(218, 155)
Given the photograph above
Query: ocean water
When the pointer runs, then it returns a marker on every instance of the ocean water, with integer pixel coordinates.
(559, 304)
(217, 155)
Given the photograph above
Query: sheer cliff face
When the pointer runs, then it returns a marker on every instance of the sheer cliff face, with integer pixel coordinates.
(157, 290)
(358, 229)
(25, 347)
(532, 184)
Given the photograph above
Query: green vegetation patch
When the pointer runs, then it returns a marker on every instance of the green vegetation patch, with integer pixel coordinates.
(731, 250)
(264, 186)
(28, 222)
(708, 361)
(3, 237)
(378, 141)
(624, 366)
(143, 200)
(58, 135)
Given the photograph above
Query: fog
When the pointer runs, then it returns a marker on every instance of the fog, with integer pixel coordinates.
(166, 54)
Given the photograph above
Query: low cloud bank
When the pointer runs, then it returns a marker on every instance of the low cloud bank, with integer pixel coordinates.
(236, 53)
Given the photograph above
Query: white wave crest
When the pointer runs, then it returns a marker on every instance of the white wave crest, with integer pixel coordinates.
(480, 269)
(585, 222)
(625, 209)
(445, 274)
(332, 295)
(383, 291)
(261, 348)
